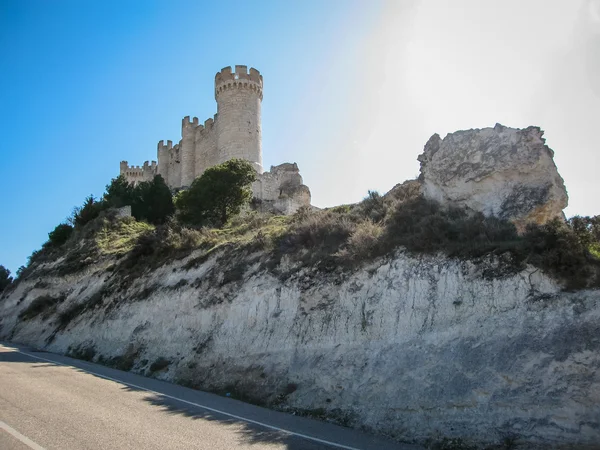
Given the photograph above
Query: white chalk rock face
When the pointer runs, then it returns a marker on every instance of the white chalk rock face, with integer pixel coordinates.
(503, 172)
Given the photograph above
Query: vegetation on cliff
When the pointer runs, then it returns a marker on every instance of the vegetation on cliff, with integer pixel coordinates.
(217, 195)
(5, 278)
(338, 239)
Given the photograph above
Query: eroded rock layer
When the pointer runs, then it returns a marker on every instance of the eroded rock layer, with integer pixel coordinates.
(413, 347)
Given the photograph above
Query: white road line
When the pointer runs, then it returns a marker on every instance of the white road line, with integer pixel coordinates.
(293, 433)
(24, 439)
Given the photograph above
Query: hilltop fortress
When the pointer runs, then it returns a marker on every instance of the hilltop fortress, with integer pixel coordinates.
(233, 132)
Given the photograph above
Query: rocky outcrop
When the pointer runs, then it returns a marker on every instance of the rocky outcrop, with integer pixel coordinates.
(414, 347)
(503, 172)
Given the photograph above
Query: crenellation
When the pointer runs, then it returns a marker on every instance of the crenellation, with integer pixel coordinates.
(234, 131)
(255, 75)
(187, 123)
(240, 79)
(168, 145)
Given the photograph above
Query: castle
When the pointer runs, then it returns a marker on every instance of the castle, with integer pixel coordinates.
(233, 132)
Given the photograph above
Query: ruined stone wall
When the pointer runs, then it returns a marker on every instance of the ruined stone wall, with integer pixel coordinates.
(281, 190)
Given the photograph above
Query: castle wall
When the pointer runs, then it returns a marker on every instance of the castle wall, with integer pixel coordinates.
(174, 169)
(188, 150)
(163, 151)
(234, 132)
(137, 174)
(205, 146)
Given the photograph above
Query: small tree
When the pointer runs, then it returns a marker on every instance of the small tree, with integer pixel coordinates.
(119, 192)
(373, 206)
(89, 211)
(152, 201)
(218, 194)
(60, 234)
(20, 271)
(5, 278)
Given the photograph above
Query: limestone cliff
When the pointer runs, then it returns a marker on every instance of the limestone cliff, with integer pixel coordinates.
(411, 346)
(503, 172)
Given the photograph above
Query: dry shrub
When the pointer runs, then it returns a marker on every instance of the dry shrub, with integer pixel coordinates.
(563, 249)
(322, 230)
(374, 207)
(165, 243)
(407, 191)
(424, 226)
(302, 213)
(364, 241)
(314, 238)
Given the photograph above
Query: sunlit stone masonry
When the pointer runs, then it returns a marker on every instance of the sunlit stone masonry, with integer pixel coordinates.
(233, 132)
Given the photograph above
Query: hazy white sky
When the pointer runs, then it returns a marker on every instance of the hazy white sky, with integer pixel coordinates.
(438, 66)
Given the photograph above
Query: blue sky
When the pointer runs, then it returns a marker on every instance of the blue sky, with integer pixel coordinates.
(353, 90)
(87, 84)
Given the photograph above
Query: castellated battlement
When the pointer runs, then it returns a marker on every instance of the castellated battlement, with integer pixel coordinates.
(136, 174)
(235, 131)
(240, 79)
(187, 123)
(167, 146)
(193, 126)
(241, 73)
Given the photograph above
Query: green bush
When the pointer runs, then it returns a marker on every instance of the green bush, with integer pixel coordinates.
(563, 249)
(152, 201)
(364, 241)
(587, 230)
(89, 211)
(217, 195)
(5, 278)
(119, 192)
(424, 226)
(373, 207)
(60, 234)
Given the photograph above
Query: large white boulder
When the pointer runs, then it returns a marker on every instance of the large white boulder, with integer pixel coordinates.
(503, 172)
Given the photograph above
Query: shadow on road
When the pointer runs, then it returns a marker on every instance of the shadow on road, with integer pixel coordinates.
(173, 399)
(248, 433)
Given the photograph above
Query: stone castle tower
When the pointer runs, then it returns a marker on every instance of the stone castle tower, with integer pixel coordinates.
(234, 132)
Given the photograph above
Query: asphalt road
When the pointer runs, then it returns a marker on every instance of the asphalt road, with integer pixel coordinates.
(49, 401)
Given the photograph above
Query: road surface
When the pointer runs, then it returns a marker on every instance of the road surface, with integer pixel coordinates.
(49, 401)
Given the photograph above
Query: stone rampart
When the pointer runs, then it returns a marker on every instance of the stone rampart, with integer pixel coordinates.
(137, 174)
